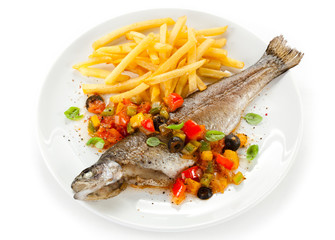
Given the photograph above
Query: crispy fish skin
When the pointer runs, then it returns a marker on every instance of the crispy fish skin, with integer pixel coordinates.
(220, 107)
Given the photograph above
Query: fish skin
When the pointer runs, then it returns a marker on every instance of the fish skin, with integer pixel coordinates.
(219, 107)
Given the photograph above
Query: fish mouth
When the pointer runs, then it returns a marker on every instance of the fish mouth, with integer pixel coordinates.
(96, 179)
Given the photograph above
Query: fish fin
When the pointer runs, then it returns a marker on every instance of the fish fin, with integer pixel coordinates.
(290, 57)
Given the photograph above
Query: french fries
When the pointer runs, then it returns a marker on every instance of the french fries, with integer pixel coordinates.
(173, 59)
(135, 91)
(117, 88)
(139, 26)
(111, 78)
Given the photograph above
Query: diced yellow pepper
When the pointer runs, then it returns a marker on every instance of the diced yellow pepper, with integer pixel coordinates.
(95, 121)
(219, 184)
(207, 155)
(135, 121)
(192, 186)
(243, 139)
(119, 107)
(232, 155)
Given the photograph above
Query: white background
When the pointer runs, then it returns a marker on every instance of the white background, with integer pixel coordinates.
(33, 205)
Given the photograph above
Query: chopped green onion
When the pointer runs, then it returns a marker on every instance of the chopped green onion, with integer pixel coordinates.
(238, 178)
(155, 110)
(73, 114)
(206, 179)
(97, 142)
(164, 113)
(189, 149)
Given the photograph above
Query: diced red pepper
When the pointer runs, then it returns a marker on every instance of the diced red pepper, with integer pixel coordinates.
(108, 121)
(193, 131)
(126, 101)
(226, 162)
(178, 188)
(122, 119)
(110, 135)
(174, 101)
(193, 173)
(96, 106)
(148, 124)
(144, 107)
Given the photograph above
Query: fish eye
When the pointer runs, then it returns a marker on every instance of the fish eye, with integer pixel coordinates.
(87, 174)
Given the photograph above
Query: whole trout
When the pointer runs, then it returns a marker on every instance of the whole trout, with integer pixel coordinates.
(219, 107)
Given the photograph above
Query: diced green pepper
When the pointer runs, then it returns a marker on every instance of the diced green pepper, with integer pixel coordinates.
(108, 111)
(196, 143)
(130, 130)
(91, 128)
(131, 111)
(205, 146)
(210, 167)
(155, 110)
(206, 179)
(164, 113)
(136, 99)
(189, 149)
(238, 178)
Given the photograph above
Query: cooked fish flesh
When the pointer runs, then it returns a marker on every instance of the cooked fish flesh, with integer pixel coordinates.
(219, 107)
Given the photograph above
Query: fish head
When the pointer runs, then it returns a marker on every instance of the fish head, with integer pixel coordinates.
(95, 177)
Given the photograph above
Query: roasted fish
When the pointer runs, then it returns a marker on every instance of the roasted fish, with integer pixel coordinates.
(132, 161)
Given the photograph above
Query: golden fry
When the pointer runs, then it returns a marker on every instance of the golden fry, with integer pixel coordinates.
(181, 84)
(128, 59)
(229, 62)
(162, 40)
(213, 64)
(204, 46)
(137, 90)
(155, 93)
(147, 65)
(177, 29)
(212, 31)
(117, 88)
(201, 85)
(118, 49)
(207, 72)
(139, 26)
(174, 73)
(216, 53)
(99, 73)
(93, 61)
(191, 58)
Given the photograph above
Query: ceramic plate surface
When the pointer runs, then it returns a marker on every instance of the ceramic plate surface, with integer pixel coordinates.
(63, 141)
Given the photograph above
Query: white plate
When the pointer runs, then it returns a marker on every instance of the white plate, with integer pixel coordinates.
(66, 155)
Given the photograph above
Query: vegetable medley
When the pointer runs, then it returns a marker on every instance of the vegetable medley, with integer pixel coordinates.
(213, 151)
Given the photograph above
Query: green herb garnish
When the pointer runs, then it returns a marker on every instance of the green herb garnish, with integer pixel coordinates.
(153, 141)
(253, 118)
(97, 142)
(214, 135)
(252, 152)
(176, 126)
(73, 114)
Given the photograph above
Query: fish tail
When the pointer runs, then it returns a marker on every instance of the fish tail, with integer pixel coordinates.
(287, 56)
